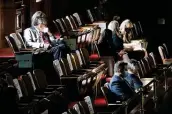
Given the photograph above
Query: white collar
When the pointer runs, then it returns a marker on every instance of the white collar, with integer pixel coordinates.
(117, 74)
(37, 30)
(130, 72)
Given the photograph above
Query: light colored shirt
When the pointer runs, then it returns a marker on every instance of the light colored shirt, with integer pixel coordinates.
(113, 26)
(33, 38)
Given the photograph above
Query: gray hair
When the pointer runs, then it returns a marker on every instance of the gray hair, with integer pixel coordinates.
(38, 18)
(118, 65)
(132, 66)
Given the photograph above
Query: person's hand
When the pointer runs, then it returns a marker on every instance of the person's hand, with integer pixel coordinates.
(121, 53)
(46, 46)
(46, 30)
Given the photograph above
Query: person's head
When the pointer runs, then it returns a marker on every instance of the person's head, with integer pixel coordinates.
(132, 66)
(129, 24)
(39, 20)
(120, 67)
(117, 18)
(105, 36)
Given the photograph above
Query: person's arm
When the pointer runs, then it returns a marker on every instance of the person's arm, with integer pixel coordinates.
(117, 88)
(52, 38)
(137, 82)
(28, 38)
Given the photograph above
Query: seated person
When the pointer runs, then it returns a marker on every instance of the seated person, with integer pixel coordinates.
(39, 36)
(114, 26)
(132, 75)
(105, 44)
(126, 30)
(118, 85)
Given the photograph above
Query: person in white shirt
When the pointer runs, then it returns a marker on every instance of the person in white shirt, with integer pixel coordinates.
(126, 30)
(39, 36)
(34, 35)
(114, 26)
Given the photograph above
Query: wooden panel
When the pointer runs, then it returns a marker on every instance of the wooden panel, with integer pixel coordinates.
(1, 24)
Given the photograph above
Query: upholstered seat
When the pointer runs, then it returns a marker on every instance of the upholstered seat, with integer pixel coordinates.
(6, 53)
(100, 102)
(108, 79)
(94, 57)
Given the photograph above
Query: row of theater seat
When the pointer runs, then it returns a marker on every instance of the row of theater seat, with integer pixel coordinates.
(86, 77)
(33, 93)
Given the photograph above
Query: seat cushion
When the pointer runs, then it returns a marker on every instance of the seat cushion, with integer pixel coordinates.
(108, 79)
(94, 57)
(6, 53)
(100, 102)
(71, 104)
(103, 76)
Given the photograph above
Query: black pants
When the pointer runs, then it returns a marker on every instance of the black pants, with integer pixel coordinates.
(57, 51)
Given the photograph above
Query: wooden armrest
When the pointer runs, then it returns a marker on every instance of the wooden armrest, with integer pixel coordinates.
(23, 52)
(27, 49)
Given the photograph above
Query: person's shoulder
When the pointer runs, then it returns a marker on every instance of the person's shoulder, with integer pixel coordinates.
(116, 77)
(28, 29)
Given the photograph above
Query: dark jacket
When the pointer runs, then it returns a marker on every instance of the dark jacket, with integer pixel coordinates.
(119, 86)
(134, 81)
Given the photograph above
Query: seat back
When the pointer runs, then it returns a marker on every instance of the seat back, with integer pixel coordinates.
(59, 30)
(81, 61)
(140, 70)
(30, 76)
(97, 34)
(76, 61)
(147, 65)
(162, 53)
(76, 15)
(60, 25)
(85, 55)
(28, 85)
(89, 37)
(84, 107)
(72, 111)
(75, 25)
(19, 35)
(144, 67)
(90, 15)
(109, 96)
(82, 85)
(58, 67)
(23, 86)
(87, 99)
(18, 41)
(153, 58)
(65, 67)
(12, 44)
(77, 108)
(67, 24)
(15, 83)
(71, 62)
(166, 50)
(151, 62)
(71, 23)
(34, 81)
(41, 78)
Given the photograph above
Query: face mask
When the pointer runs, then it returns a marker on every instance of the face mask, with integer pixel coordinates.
(45, 30)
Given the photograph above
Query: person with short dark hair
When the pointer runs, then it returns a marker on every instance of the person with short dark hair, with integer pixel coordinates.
(118, 84)
(132, 75)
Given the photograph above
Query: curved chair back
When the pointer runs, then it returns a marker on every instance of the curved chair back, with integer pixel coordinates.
(76, 15)
(11, 42)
